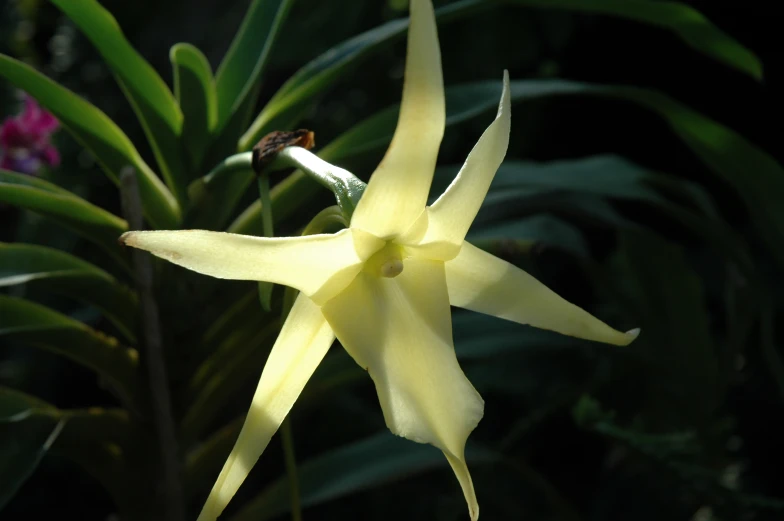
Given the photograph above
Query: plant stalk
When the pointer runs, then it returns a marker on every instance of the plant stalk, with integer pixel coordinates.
(160, 399)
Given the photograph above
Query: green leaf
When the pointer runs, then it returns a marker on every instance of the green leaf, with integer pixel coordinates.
(93, 129)
(242, 67)
(235, 364)
(519, 186)
(33, 324)
(53, 270)
(148, 94)
(214, 195)
(352, 468)
(321, 73)
(753, 173)
(685, 22)
(194, 88)
(65, 208)
(16, 405)
(676, 346)
(524, 233)
(299, 92)
(463, 103)
(27, 432)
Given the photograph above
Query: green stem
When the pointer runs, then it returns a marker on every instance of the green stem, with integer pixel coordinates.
(291, 469)
(266, 204)
(238, 163)
(265, 288)
(327, 219)
(346, 186)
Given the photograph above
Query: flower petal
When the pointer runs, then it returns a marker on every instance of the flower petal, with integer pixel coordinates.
(449, 218)
(318, 265)
(400, 330)
(482, 282)
(302, 344)
(397, 192)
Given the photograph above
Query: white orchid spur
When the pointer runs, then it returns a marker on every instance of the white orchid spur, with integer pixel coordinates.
(384, 285)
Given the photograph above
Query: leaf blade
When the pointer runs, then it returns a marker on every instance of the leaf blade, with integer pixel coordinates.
(60, 272)
(148, 94)
(28, 428)
(248, 54)
(89, 221)
(93, 129)
(36, 325)
(194, 88)
(684, 21)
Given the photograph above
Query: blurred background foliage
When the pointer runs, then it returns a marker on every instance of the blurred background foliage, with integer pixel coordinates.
(599, 198)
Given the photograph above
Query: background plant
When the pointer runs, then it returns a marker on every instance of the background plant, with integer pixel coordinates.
(639, 208)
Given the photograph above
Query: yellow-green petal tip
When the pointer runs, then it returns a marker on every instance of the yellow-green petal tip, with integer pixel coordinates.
(633, 334)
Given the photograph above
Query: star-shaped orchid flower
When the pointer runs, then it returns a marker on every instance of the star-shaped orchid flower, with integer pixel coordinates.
(384, 285)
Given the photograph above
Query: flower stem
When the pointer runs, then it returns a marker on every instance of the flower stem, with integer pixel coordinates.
(153, 354)
(265, 288)
(348, 188)
(266, 205)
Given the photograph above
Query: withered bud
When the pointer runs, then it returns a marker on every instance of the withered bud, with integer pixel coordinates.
(265, 150)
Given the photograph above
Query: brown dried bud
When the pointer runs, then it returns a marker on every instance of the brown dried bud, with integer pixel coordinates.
(265, 150)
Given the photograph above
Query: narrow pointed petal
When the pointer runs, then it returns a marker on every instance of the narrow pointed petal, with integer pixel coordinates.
(482, 282)
(460, 469)
(397, 192)
(302, 344)
(317, 265)
(450, 217)
(400, 330)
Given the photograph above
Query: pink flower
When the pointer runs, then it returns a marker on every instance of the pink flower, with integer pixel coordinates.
(25, 140)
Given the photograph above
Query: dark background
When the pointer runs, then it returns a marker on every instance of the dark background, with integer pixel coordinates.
(574, 472)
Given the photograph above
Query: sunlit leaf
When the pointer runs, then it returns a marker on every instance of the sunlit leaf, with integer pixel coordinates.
(321, 73)
(150, 97)
(65, 208)
(244, 63)
(194, 87)
(93, 129)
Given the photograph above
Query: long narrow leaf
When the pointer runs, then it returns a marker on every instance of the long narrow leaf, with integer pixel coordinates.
(194, 87)
(687, 23)
(27, 431)
(753, 173)
(33, 324)
(324, 71)
(53, 270)
(350, 469)
(244, 62)
(684, 21)
(89, 221)
(93, 129)
(149, 95)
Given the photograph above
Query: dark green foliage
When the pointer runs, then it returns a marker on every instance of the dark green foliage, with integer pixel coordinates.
(642, 183)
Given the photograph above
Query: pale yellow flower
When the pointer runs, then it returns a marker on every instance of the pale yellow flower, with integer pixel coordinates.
(384, 285)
